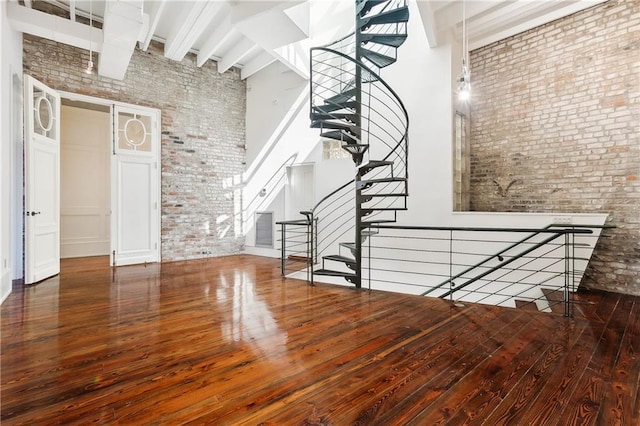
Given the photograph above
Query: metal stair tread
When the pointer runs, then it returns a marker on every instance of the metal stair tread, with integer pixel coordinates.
(391, 40)
(400, 14)
(339, 258)
(350, 246)
(325, 124)
(384, 180)
(355, 148)
(378, 59)
(383, 209)
(340, 136)
(373, 164)
(386, 195)
(332, 273)
(365, 6)
(367, 222)
(330, 106)
(349, 116)
(341, 97)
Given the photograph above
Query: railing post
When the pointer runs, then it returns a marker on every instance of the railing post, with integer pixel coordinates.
(315, 239)
(369, 260)
(567, 267)
(283, 251)
(310, 245)
(451, 284)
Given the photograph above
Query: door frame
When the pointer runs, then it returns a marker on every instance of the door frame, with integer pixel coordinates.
(158, 175)
(289, 212)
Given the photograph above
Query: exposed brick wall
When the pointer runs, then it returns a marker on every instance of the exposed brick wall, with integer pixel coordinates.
(555, 127)
(203, 136)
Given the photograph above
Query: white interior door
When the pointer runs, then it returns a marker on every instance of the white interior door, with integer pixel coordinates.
(42, 181)
(135, 177)
(300, 192)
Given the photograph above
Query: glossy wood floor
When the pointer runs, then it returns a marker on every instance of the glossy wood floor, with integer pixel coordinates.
(228, 342)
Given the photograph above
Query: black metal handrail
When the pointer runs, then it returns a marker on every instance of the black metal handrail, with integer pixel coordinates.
(542, 243)
(300, 246)
(503, 251)
(407, 258)
(399, 102)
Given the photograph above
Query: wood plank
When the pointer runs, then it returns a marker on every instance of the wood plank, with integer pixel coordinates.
(485, 388)
(623, 376)
(585, 403)
(391, 382)
(228, 341)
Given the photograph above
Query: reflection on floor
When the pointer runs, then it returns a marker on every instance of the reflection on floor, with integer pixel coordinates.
(227, 341)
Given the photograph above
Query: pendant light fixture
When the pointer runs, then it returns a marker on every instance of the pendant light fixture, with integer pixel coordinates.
(89, 69)
(464, 81)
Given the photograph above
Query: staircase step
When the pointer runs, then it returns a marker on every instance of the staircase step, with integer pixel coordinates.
(526, 305)
(386, 195)
(342, 97)
(316, 116)
(340, 136)
(350, 246)
(326, 124)
(368, 210)
(340, 258)
(332, 273)
(355, 148)
(378, 59)
(335, 106)
(375, 222)
(392, 40)
(382, 180)
(369, 77)
(555, 299)
(367, 183)
(364, 6)
(400, 14)
(366, 168)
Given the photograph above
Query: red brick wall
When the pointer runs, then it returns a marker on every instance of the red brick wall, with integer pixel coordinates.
(203, 136)
(555, 127)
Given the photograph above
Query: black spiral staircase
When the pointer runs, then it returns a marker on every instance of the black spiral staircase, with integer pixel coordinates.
(352, 104)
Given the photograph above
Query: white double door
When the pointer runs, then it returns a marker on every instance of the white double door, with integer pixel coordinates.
(135, 178)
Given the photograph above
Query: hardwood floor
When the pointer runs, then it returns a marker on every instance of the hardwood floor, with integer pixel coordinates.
(227, 342)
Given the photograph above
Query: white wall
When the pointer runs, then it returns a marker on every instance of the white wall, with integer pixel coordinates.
(278, 133)
(85, 203)
(10, 149)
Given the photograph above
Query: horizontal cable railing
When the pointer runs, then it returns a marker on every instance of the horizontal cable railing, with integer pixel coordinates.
(296, 247)
(484, 265)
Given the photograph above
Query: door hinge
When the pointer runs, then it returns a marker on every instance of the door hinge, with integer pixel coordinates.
(114, 258)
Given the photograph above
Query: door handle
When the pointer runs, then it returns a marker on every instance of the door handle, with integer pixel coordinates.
(34, 213)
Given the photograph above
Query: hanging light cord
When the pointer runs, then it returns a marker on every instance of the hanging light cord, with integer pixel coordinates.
(464, 87)
(90, 63)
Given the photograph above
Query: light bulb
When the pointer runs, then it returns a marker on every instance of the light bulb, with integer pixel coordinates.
(89, 69)
(464, 93)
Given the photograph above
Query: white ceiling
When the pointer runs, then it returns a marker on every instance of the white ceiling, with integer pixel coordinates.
(250, 34)
(488, 21)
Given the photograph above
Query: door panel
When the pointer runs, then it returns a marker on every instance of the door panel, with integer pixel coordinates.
(135, 191)
(42, 183)
(134, 233)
